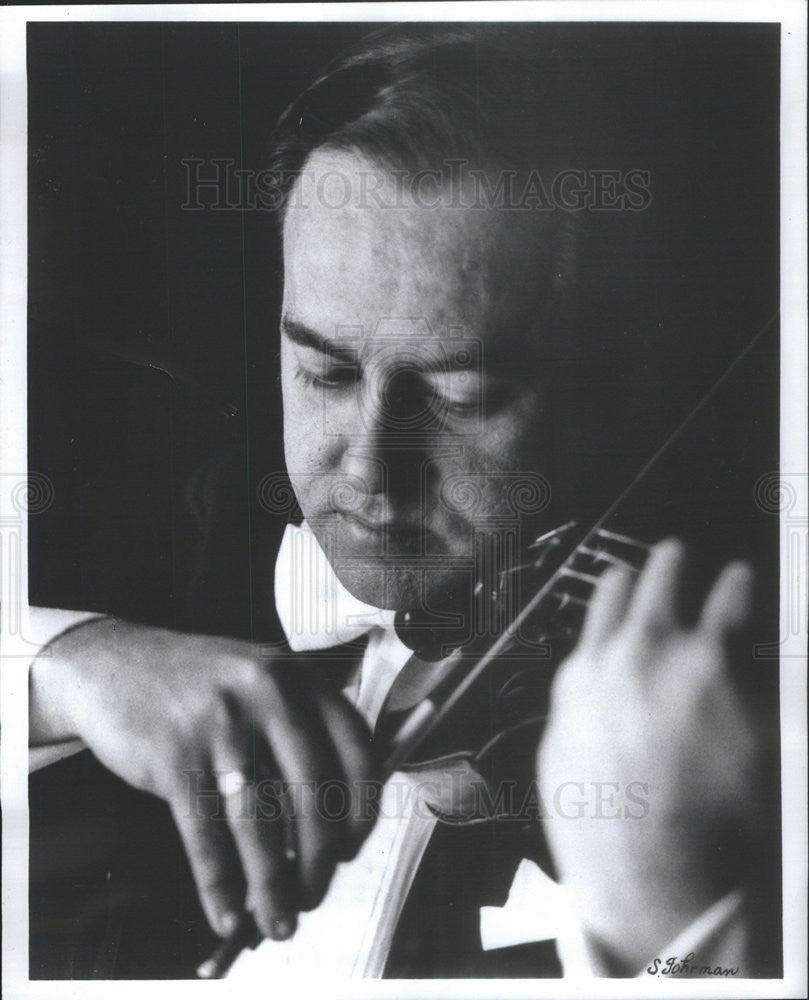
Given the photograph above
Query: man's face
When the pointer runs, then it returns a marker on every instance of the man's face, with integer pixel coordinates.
(413, 383)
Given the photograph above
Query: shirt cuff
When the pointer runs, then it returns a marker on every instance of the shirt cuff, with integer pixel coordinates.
(39, 757)
(44, 626)
(47, 624)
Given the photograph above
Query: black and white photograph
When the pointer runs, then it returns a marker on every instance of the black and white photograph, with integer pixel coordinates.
(404, 500)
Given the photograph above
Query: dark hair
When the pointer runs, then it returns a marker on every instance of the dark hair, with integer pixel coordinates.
(516, 96)
(408, 96)
(417, 97)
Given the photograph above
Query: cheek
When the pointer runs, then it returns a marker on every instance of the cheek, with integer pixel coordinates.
(306, 447)
(302, 420)
(312, 454)
(516, 439)
(505, 462)
(303, 459)
(301, 443)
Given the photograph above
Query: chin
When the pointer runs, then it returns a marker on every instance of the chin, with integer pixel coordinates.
(378, 585)
(382, 569)
(403, 589)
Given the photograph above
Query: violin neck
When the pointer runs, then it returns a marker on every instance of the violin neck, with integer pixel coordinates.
(552, 588)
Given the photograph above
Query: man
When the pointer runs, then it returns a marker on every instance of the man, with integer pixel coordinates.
(451, 317)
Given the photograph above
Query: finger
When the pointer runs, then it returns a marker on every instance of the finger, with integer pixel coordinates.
(308, 762)
(257, 821)
(352, 742)
(607, 606)
(212, 855)
(258, 828)
(729, 605)
(654, 610)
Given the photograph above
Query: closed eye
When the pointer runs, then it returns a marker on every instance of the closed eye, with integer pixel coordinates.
(338, 378)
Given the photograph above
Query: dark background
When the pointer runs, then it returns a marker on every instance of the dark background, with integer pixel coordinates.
(125, 286)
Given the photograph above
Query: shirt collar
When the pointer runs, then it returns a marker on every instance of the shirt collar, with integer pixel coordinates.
(315, 609)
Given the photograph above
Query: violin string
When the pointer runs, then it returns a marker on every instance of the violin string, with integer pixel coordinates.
(699, 406)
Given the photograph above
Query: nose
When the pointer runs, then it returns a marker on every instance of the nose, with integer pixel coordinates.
(379, 451)
(403, 401)
(364, 466)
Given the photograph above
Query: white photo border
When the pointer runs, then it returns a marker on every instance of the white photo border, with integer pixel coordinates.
(791, 14)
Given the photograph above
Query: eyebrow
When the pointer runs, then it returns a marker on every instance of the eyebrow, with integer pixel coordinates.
(305, 336)
(499, 363)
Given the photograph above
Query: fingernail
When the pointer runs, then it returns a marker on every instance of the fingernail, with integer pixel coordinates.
(281, 928)
(206, 970)
(228, 922)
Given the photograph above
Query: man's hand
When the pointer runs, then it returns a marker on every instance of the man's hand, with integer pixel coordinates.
(177, 714)
(646, 699)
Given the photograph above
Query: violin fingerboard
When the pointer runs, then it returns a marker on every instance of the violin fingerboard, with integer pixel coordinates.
(558, 617)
